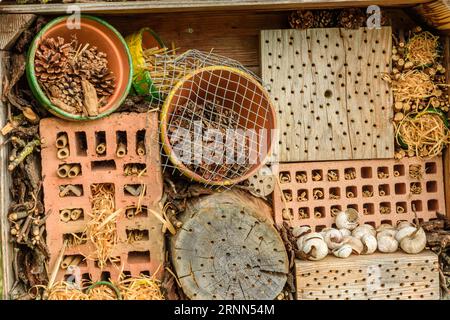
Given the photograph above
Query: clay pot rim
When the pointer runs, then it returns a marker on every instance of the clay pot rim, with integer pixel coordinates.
(40, 94)
(168, 147)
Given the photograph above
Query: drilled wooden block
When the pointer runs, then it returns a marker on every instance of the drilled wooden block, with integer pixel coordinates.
(315, 191)
(378, 276)
(145, 255)
(326, 86)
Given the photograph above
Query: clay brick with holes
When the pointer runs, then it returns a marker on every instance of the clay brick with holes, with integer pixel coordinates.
(381, 190)
(127, 140)
(393, 276)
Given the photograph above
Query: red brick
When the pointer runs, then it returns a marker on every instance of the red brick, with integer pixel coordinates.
(131, 123)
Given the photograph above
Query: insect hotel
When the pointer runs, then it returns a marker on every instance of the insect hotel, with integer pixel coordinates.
(221, 150)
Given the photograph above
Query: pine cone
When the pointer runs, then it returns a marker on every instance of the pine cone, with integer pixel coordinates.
(302, 19)
(353, 18)
(325, 19)
(51, 62)
(61, 67)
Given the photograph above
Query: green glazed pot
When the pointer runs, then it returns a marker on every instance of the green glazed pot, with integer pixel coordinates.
(98, 33)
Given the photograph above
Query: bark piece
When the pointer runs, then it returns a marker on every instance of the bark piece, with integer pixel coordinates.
(90, 98)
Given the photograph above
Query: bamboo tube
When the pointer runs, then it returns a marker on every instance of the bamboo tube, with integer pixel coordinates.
(140, 148)
(135, 191)
(63, 171)
(61, 141)
(121, 150)
(129, 213)
(76, 261)
(77, 191)
(64, 215)
(75, 214)
(63, 153)
(101, 148)
(66, 262)
(74, 171)
(350, 194)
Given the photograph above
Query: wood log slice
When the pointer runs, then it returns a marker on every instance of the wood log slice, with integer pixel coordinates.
(229, 249)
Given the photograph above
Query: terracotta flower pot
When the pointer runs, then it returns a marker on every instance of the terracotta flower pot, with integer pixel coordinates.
(98, 33)
(240, 93)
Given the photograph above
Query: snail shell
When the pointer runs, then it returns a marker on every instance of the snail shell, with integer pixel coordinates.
(345, 232)
(343, 251)
(355, 243)
(315, 249)
(414, 242)
(387, 244)
(348, 219)
(370, 243)
(333, 238)
(363, 229)
(300, 231)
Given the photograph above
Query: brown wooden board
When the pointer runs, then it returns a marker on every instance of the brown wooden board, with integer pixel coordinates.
(197, 5)
(11, 27)
(6, 251)
(392, 276)
(326, 85)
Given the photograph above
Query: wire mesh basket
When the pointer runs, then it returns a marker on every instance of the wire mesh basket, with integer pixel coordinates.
(217, 125)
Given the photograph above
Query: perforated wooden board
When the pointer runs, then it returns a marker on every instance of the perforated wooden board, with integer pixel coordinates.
(388, 182)
(327, 88)
(395, 276)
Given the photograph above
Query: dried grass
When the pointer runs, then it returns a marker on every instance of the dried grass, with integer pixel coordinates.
(414, 85)
(101, 228)
(140, 288)
(425, 134)
(422, 49)
(134, 288)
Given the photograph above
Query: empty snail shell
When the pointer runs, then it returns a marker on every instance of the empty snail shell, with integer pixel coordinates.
(308, 236)
(315, 249)
(414, 242)
(403, 224)
(363, 229)
(385, 226)
(345, 232)
(300, 231)
(370, 243)
(348, 219)
(355, 243)
(333, 238)
(343, 251)
(387, 244)
(387, 232)
(404, 232)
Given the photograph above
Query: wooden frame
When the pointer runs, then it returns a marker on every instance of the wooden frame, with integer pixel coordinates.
(17, 17)
(198, 5)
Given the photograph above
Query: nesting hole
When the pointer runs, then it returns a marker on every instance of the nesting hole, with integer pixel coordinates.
(431, 186)
(351, 192)
(433, 205)
(383, 190)
(416, 205)
(401, 207)
(400, 188)
(366, 172)
(368, 208)
(430, 168)
(81, 143)
(319, 212)
(367, 191)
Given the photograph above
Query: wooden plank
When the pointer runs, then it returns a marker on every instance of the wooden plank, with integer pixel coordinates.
(6, 248)
(377, 276)
(11, 27)
(197, 5)
(234, 35)
(331, 101)
(436, 14)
